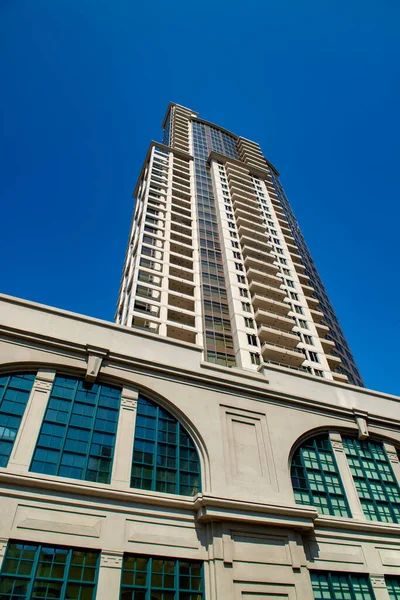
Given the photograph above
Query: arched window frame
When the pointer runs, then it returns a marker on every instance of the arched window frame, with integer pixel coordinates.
(154, 470)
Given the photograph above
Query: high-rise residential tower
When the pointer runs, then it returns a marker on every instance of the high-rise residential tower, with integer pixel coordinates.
(216, 257)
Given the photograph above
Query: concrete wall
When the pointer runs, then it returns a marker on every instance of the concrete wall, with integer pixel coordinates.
(255, 541)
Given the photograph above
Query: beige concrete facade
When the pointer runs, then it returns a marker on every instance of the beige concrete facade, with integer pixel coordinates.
(255, 541)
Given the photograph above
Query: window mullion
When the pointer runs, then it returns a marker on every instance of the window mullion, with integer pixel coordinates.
(155, 455)
(67, 424)
(178, 458)
(149, 571)
(91, 433)
(66, 574)
(34, 571)
(328, 496)
(5, 388)
(306, 477)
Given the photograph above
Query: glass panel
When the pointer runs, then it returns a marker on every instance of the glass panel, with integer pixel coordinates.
(374, 479)
(341, 586)
(166, 578)
(393, 587)
(42, 572)
(77, 437)
(164, 456)
(316, 480)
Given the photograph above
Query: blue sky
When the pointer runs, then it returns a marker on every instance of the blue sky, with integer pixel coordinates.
(85, 84)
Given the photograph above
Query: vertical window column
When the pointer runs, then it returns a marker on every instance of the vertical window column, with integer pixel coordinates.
(347, 479)
(121, 474)
(378, 585)
(109, 582)
(393, 459)
(24, 446)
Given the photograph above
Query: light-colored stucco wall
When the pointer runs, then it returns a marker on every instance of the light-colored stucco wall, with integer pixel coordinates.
(254, 540)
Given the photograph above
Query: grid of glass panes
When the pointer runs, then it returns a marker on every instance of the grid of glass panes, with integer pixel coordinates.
(393, 587)
(374, 479)
(164, 457)
(32, 571)
(316, 480)
(340, 586)
(147, 577)
(14, 394)
(78, 433)
(219, 345)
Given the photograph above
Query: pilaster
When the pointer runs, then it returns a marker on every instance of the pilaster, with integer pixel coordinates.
(25, 442)
(109, 582)
(122, 464)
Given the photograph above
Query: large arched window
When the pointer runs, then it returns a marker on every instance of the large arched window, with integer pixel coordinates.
(78, 433)
(315, 477)
(376, 485)
(164, 456)
(14, 394)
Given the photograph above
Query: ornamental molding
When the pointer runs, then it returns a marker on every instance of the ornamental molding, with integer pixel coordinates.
(111, 559)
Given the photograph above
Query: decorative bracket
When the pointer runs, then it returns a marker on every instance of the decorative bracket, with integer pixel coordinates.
(94, 362)
(361, 420)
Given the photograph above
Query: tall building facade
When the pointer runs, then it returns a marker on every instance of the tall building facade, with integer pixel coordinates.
(216, 258)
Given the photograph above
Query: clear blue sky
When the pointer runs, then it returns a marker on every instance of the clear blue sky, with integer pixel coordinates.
(85, 84)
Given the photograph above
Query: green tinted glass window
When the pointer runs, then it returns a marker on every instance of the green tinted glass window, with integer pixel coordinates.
(374, 479)
(77, 437)
(393, 587)
(316, 480)
(341, 586)
(147, 577)
(164, 456)
(14, 395)
(33, 571)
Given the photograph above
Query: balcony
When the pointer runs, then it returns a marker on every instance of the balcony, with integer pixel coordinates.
(257, 236)
(340, 377)
(181, 272)
(262, 302)
(181, 287)
(246, 208)
(179, 261)
(317, 315)
(260, 265)
(282, 355)
(181, 249)
(181, 301)
(278, 336)
(254, 247)
(333, 361)
(266, 279)
(181, 317)
(256, 287)
(272, 319)
(256, 225)
(322, 330)
(327, 345)
(181, 334)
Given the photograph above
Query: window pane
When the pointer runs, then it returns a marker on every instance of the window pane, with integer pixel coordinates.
(78, 433)
(46, 570)
(316, 480)
(374, 479)
(166, 578)
(164, 456)
(341, 586)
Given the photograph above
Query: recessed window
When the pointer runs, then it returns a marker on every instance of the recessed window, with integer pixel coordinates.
(252, 340)
(313, 357)
(164, 456)
(337, 586)
(249, 322)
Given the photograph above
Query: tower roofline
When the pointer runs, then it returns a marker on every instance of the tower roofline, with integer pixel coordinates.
(171, 105)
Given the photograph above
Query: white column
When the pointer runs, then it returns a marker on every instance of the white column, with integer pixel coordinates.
(25, 442)
(122, 465)
(3, 547)
(379, 586)
(346, 476)
(109, 582)
(394, 460)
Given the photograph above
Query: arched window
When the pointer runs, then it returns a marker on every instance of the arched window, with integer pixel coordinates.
(164, 456)
(14, 394)
(315, 477)
(77, 436)
(376, 485)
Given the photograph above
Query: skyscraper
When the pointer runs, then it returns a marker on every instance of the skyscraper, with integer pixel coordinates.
(216, 257)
